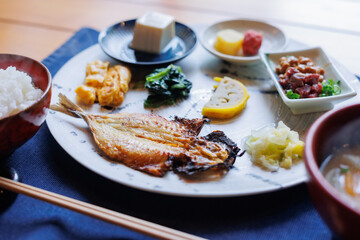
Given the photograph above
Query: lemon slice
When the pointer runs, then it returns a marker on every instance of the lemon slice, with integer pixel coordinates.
(229, 98)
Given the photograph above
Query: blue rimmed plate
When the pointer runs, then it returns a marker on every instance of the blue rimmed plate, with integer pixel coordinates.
(115, 41)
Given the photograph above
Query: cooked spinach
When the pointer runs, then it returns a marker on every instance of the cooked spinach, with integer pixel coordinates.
(166, 85)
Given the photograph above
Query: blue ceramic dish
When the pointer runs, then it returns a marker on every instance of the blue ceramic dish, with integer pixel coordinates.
(116, 39)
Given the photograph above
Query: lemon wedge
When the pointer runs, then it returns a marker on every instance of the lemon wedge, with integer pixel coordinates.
(229, 98)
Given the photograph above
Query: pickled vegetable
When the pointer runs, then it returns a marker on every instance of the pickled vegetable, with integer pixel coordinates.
(273, 148)
(229, 99)
(252, 42)
(228, 41)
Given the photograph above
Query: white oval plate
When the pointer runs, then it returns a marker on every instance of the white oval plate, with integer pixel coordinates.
(244, 179)
(274, 39)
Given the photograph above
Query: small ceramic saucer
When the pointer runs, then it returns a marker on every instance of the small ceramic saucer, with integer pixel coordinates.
(116, 39)
(273, 38)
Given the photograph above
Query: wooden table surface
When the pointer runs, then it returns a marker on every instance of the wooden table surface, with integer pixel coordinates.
(35, 28)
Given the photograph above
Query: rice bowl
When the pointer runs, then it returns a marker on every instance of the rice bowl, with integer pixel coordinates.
(31, 92)
(17, 91)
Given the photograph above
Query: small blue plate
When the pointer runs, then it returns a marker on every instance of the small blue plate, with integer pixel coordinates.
(115, 41)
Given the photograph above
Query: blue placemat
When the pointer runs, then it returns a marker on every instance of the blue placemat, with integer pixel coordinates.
(41, 162)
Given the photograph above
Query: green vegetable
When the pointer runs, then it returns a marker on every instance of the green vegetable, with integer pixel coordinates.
(330, 88)
(344, 169)
(166, 85)
(290, 94)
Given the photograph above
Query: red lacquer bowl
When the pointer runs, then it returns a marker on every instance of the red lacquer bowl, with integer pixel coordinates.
(16, 129)
(329, 133)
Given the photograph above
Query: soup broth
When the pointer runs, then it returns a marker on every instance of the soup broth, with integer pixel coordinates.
(342, 170)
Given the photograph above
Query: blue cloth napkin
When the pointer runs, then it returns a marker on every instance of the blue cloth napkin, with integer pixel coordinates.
(41, 162)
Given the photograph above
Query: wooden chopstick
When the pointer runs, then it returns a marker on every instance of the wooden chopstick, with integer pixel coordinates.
(136, 224)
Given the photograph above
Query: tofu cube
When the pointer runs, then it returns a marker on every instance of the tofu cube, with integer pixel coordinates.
(152, 32)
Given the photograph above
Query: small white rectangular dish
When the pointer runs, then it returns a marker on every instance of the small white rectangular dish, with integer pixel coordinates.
(307, 105)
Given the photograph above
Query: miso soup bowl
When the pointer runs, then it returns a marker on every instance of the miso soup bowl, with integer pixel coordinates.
(18, 128)
(331, 132)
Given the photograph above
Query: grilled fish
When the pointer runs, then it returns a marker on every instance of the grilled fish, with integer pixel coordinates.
(153, 144)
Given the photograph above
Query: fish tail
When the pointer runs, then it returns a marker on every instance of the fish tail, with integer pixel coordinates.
(66, 106)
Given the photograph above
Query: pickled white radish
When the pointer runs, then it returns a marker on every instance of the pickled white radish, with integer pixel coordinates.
(273, 148)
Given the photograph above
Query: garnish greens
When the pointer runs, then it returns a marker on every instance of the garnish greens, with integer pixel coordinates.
(290, 94)
(344, 169)
(165, 86)
(330, 88)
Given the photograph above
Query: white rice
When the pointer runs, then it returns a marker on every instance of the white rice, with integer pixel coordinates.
(16, 91)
